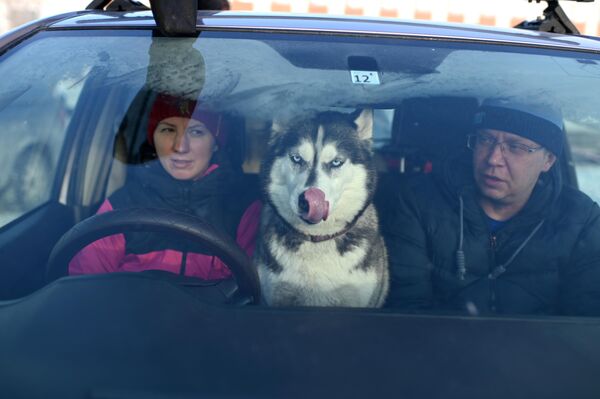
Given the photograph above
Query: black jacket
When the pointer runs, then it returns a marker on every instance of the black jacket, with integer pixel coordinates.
(217, 198)
(557, 270)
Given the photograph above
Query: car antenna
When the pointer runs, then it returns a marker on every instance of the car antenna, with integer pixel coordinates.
(555, 19)
(174, 18)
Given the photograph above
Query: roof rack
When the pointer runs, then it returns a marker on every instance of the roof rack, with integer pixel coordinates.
(555, 19)
(116, 5)
(174, 18)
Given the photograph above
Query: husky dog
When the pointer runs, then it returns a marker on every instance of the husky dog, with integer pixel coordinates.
(319, 235)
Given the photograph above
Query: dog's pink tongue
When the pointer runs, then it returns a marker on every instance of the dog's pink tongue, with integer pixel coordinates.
(318, 208)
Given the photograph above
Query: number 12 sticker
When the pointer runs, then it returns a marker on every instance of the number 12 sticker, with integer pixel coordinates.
(365, 77)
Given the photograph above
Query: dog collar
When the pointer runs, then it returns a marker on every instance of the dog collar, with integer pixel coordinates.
(330, 236)
(324, 237)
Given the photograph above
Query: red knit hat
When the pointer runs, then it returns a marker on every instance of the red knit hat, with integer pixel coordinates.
(166, 106)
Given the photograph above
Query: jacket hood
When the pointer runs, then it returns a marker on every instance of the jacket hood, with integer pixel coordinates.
(220, 181)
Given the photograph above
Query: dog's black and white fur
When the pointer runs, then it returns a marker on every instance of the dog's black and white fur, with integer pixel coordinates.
(319, 235)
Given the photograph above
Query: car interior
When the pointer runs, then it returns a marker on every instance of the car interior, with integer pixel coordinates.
(411, 145)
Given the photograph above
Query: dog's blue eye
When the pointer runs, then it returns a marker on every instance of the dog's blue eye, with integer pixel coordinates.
(296, 158)
(336, 163)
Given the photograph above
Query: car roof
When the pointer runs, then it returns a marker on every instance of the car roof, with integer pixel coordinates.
(242, 21)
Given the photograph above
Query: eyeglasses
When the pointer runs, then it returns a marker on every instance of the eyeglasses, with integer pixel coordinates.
(485, 142)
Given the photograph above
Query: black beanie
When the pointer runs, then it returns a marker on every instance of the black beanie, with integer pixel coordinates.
(545, 127)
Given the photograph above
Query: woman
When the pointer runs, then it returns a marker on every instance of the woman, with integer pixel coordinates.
(190, 176)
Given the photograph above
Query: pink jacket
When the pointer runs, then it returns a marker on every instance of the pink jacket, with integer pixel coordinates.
(107, 255)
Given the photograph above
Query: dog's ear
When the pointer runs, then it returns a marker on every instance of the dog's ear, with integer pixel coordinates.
(364, 124)
(277, 128)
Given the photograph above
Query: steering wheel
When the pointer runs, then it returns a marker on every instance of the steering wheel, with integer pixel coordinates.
(155, 220)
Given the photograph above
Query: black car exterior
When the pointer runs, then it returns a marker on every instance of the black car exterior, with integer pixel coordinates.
(74, 81)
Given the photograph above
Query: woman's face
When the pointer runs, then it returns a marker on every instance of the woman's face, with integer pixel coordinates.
(184, 147)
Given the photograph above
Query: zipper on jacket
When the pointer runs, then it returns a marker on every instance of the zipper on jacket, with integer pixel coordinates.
(493, 242)
(187, 196)
(492, 281)
(183, 262)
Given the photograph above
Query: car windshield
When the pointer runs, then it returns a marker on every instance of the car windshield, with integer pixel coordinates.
(79, 114)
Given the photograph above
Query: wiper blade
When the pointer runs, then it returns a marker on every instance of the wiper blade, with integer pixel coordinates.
(8, 97)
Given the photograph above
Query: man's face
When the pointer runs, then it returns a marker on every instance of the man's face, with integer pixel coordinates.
(505, 174)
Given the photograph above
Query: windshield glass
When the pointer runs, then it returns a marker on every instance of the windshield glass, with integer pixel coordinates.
(324, 135)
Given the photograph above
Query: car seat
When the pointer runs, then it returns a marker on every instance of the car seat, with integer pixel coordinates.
(428, 130)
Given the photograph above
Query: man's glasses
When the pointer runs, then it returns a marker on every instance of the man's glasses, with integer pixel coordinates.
(485, 142)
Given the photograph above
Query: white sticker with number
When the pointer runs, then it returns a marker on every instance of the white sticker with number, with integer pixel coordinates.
(365, 77)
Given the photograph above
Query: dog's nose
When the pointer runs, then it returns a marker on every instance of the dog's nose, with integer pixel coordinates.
(313, 206)
(303, 205)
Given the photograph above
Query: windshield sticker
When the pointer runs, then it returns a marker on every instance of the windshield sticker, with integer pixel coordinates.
(365, 77)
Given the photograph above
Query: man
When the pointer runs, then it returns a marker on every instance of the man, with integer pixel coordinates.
(498, 234)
